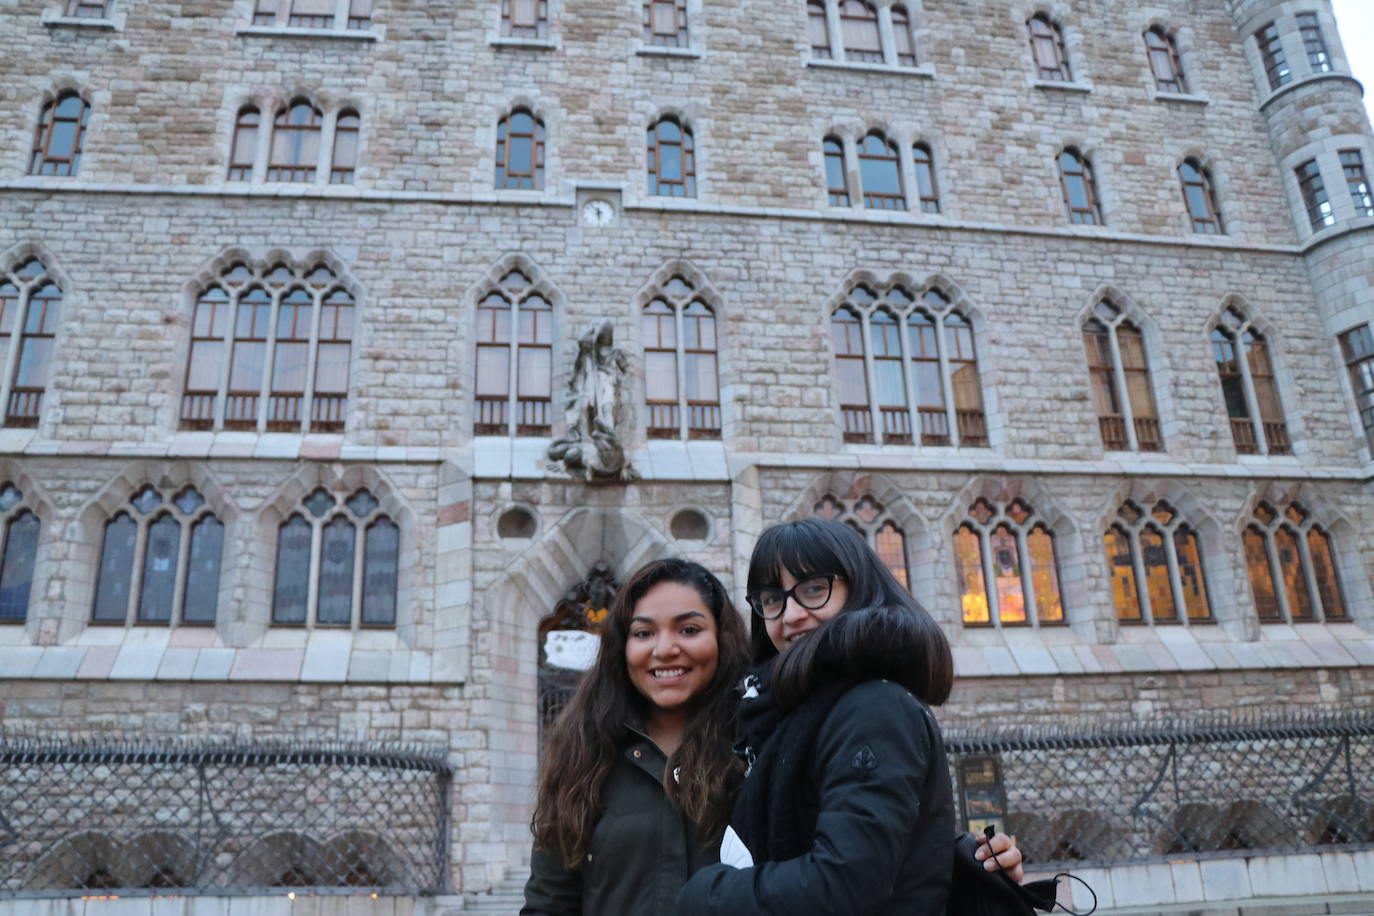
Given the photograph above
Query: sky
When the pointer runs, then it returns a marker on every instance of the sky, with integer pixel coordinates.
(1355, 19)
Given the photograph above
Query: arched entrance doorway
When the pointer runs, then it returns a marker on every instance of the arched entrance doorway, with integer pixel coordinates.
(568, 640)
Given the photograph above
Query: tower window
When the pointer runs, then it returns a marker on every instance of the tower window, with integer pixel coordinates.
(1271, 53)
(1315, 44)
(1352, 164)
(1314, 197)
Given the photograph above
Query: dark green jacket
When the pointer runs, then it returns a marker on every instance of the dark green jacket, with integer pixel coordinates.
(643, 849)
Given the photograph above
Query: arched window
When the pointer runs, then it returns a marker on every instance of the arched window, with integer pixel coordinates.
(867, 517)
(244, 150)
(308, 320)
(18, 553)
(345, 157)
(923, 347)
(851, 376)
(665, 23)
(818, 29)
(1200, 197)
(525, 18)
(337, 563)
(926, 186)
(1271, 54)
(295, 143)
(1164, 63)
(160, 561)
(859, 28)
(514, 359)
(1011, 547)
(1120, 373)
(880, 177)
(30, 314)
(1047, 49)
(520, 151)
(60, 136)
(672, 160)
(836, 175)
(1156, 567)
(1292, 566)
(901, 35)
(1080, 188)
(681, 382)
(1248, 387)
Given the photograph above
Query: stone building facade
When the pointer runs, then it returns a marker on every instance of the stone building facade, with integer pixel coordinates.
(807, 203)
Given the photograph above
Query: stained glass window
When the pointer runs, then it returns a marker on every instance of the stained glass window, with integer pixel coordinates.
(1290, 549)
(871, 521)
(17, 555)
(1010, 546)
(1162, 547)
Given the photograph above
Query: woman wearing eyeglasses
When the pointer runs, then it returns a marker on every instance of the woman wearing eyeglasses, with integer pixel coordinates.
(846, 806)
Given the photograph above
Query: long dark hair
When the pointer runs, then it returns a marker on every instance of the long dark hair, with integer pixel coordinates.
(881, 630)
(585, 741)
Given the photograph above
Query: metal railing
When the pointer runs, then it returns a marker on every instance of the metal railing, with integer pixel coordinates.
(1137, 792)
(220, 817)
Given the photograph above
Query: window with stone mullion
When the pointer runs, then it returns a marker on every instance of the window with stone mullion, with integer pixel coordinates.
(336, 564)
(870, 520)
(1118, 367)
(1012, 549)
(1249, 389)
(1357, 345)
(19, 528)
(681, 380)
(1292, 567)
(30, 314)
(1156, 566)
(514, 384)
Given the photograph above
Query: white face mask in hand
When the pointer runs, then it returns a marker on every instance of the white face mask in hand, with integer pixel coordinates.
(733, 852)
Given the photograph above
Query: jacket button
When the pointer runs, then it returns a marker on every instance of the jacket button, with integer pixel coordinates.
(589, 857)
(638, 755)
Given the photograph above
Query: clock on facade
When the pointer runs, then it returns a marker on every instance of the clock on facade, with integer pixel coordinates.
(597, 213)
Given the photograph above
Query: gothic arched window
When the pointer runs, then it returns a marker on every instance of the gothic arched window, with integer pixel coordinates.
(836, 175)
(1120, 373)
(1164, 63)
(60, 136)
(1292, 566)
(1200, 197)
(243, 151)
(1248, 387)
(337, 562)
(927, 188)
(851, 375)
(18, 553)
(880, 176)
(160, 560)
(1076, 180)
(870, 521)
(520, 151)
(30, 314)
(344, 161)
(902, 37)
(859, 28)
(1013, 549)
(1047, 49)
(681, 381)
(514, 359)
(672, 159)
(1156, 567)
(249, 319)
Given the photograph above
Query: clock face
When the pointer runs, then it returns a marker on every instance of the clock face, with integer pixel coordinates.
(597, 213)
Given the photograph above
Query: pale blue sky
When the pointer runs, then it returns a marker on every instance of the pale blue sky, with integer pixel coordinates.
(1355, 19)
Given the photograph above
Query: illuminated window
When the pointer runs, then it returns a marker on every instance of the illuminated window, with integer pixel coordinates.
(1292, 566)
(336, 563)
(1117, 363)
(1011, 547)
(870, 520)
(160, 561)
(1156, 567)
(520, 151)
(1248, 388)
(681, 384)
(514, 359)
(1164, 63)
(917, 356)
(270, 351)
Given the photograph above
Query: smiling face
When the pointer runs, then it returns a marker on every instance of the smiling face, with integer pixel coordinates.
(671, 652)
(797, 622)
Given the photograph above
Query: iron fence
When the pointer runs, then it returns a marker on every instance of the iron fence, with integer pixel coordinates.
(1135, 792)
(219, 817)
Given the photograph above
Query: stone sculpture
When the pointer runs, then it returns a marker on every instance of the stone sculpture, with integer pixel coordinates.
(591, 447)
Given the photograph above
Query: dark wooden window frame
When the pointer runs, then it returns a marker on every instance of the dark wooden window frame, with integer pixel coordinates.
(903, 34)
(881, 200)
(1208, 220)
(1234, 344)
(1275, 62)
(1129, 428)
(532, 180)
(832, 151)
(1296, 522)
(1162, 52)
(1357, 346)
(1318, 56)
(343, 169)
(864, 55)
(678, 37)
(819, 51)
(927, 184)
(30, 313)
(1079, 169)
(538, 28)
(46, 160)
(1314, 197)
(1049, 56)
(985, 518)
(508, 412)
(1357, 181)
(1132, 521)
(683, 417)
(247, 123)
(686, 184)
(89, 9)
(293, 169)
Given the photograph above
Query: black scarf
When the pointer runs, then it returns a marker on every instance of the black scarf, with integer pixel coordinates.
(777, 805)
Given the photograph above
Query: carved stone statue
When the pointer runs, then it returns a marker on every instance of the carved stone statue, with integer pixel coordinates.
(591, 447)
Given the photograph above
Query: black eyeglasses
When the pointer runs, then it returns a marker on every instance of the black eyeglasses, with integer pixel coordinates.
(811, 593)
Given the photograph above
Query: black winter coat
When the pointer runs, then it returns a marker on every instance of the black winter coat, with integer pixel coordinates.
(643, 848)
(875, 818)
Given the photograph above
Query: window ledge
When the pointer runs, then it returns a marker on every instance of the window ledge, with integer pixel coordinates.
(284, 31)
(80, 22)
(926, 71)
(656, 51)
(1306, 81)
(532, 44)
(1186, 98)
(1075, 86)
